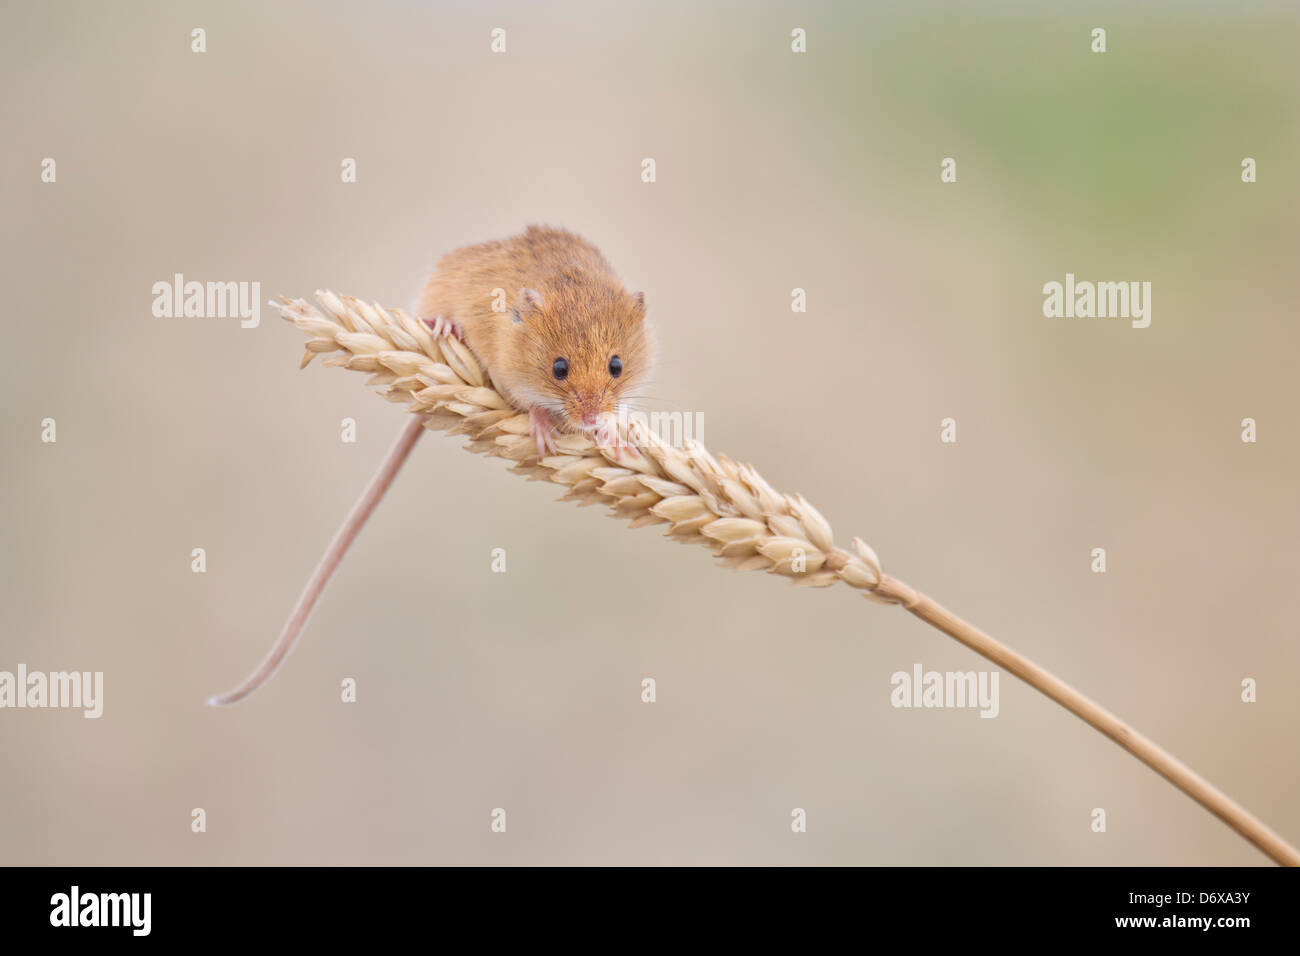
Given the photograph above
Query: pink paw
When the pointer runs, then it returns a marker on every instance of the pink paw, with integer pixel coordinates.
(443, 327)
(542, 428)
(606, 435)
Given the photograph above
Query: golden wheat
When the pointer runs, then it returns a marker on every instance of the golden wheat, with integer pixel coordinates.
(725, 506)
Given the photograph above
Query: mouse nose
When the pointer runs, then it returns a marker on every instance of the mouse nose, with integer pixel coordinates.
(590, 418)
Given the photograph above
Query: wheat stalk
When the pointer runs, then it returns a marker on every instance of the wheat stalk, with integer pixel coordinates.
(726, 506)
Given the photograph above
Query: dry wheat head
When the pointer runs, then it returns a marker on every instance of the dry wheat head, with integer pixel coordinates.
(726, 506)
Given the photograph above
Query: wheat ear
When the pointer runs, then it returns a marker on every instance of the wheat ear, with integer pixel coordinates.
(725, 506)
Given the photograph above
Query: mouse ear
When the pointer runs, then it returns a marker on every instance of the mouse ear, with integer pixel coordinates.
(638, 300)
(527, 303)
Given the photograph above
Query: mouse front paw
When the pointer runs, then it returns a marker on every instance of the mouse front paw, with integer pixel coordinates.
(444, 327)
(609, 438)
(543, 430)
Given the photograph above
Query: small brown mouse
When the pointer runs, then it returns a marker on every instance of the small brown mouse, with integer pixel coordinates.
(559, 333)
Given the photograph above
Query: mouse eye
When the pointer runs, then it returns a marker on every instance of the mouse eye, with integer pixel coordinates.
(560, 369)
(615, 367)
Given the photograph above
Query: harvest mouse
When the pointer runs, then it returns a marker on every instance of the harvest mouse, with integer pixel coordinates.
(544, 313)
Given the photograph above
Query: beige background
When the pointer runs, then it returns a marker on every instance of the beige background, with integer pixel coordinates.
(775, 171)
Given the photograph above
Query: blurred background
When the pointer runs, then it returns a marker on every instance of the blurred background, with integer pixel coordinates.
(775, 170)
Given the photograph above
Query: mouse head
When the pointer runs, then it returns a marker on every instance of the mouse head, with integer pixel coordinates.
(585, 348)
